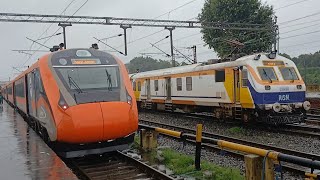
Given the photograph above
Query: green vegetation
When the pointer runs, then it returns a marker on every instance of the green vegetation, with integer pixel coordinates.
(146, 64)
(312, 62)
(235, 11)
(184, 165)
(236, 130)
(136, 142)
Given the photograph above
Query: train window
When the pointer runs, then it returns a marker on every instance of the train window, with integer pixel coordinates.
(19, 89)
(156, 85)
(179, 84)
(139, 86)
(10, 90)
(220, 76)
(289, 73)
(189, 83)
(244, 78)
(267, 73)
(134, 84)
(89, 78)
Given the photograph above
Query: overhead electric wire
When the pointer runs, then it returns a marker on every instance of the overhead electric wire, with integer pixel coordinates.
(293, 30)
(297, 35)
(57, 30)
(175, 9)
(135, 40)
(183, 5)
(291, 4)
(300, 44)
(45, 31)
(298, 24)
(297, 19)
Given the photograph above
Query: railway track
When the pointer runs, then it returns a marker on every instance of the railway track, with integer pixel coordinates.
(289, 167)
(307, 130)
(116, 166)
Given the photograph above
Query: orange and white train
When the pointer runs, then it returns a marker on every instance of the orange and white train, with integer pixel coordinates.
(79, 100)
(263, 87)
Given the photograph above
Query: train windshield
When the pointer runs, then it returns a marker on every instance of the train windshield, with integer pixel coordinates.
(289, 73)
(90, 78)
(267, 73)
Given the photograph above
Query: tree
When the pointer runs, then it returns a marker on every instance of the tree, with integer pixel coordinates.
(237, 11)
(146, 64)
(285, 55)
(309, 67)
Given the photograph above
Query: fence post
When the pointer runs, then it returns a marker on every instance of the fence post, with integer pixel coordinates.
(253, 166)
(269, 169)
(198, 147)
(148, 139)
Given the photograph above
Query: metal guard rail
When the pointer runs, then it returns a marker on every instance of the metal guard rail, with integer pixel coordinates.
(278, 156)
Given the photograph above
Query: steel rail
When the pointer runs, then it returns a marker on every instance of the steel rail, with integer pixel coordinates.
(227, 152)
(236, 140)
(116, 166)
(296, 129)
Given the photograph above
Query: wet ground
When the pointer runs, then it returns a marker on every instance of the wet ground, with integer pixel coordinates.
(23, 154)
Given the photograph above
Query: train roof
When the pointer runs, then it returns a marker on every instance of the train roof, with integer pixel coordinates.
(202, 67)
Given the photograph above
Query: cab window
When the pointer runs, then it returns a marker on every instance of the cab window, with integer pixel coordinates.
(289, 73)
(139, 86)
(267, 73)
(134, 84)
(244, 78)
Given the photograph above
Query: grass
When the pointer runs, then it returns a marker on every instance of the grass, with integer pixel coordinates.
(136, 142)
(184, 165)
(236, 130)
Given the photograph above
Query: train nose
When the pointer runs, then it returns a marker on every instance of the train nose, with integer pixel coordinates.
(82, 124)
(95, 122)
(119, 119)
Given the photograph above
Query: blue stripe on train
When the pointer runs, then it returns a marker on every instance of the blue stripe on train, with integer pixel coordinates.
(276, 97)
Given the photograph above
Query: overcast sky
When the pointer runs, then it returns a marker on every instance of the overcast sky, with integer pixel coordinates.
(13, 35)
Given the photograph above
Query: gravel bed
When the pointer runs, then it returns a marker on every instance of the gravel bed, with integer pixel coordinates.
(214, 157)
(295, 142)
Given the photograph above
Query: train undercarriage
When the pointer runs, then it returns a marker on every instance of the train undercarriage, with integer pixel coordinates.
(232, 112)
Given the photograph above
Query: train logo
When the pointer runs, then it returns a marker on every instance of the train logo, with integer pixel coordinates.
(284, 97)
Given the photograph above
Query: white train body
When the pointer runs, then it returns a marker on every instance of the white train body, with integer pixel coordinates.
(252, 87)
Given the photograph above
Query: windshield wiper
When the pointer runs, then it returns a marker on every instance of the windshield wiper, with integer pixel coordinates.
(292, 80)
(71, 81)
(264, 71)
(109, 81)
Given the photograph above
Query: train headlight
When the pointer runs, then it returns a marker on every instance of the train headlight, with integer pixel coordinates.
(299, 87)
(129, 99)
(267, 87)
(276, 107)
(306, 105)
(62, 103)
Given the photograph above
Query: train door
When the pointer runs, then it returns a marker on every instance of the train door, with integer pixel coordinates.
(14, 94)
(26, 93)
(37, 91)
(31, 94)
(148, 89)
(168, 88)
(236, 85)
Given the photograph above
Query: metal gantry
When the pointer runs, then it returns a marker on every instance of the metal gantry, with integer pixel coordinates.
(126, 23)
(42, 18)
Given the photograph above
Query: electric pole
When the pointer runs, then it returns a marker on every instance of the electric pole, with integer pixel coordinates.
(64, 25)
(125, 27)
(171, 42)
(194, 54)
